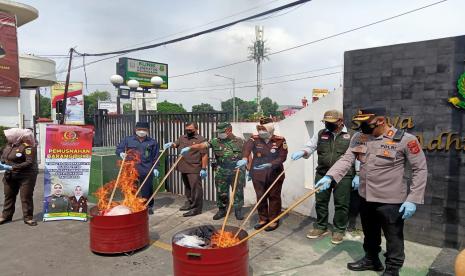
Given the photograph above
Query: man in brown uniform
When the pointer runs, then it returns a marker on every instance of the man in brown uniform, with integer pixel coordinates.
(19, 160)
(193, 168)
(386, 200)
(269, 153)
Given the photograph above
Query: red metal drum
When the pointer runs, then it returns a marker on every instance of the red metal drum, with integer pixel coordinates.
(231, 261)
(118, 234)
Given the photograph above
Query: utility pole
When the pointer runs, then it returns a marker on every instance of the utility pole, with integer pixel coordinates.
(257, 53)
(65, 95)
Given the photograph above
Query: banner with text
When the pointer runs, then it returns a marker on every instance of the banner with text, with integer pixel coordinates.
(68, 153)
(9, 68)
(74, 102)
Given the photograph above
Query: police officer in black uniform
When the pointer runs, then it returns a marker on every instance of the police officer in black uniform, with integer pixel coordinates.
(19, 161)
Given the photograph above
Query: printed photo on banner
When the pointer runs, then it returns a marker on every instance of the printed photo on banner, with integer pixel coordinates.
(74, 114)
(67, 171)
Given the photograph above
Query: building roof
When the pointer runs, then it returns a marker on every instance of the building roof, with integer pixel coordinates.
(24, 13)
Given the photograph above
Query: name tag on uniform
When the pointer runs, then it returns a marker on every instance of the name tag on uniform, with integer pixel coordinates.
(324, 137)
(19, 154)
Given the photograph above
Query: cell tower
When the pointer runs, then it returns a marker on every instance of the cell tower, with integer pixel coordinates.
(257, 53)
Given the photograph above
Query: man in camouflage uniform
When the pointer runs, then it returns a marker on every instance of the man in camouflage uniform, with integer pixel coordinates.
(227, 149)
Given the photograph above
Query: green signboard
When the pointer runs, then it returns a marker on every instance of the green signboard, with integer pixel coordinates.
(142, 71)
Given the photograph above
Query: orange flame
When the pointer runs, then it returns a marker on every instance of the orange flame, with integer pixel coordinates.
(126, 185)
(224, 240)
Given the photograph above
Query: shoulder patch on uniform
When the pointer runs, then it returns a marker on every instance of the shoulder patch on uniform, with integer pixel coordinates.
(284, 145)
(413, 147)
(28, 151)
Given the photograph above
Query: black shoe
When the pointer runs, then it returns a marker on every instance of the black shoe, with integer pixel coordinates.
(366, 264)
(150, 211)
(4, 220)
(191, 213)
(220, 214)
(390, 272)
(272, 227)
(259, 225)
(187, 206)
(31, 222)
(238, 214)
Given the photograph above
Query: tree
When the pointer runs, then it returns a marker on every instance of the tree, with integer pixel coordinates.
(167, 107)
(246, 108)
(45, 107)
(203, 107)
(91, 103)
(269, 107)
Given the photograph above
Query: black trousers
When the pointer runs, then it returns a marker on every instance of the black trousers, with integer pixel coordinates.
(194, 190)
(382, 216)
(354, 209)
(147, 189)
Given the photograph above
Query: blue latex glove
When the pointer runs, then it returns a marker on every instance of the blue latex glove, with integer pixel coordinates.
(156, 173)
(168, 145)
(263, 166)
(324, 183)
(408, 208)
(355, 182)
(241, 163)
(122, 155)
(5, 167)
(203, 174)
(297, 155)
(184, 151)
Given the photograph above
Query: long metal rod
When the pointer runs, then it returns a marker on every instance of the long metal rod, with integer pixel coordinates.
(258, 202)
(231, 202)
(163, 181)
(150, 172)
(302, 199)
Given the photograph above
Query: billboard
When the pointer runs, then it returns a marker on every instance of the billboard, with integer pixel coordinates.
(111, 106)
(142, 71)
(68, 151)
(9, 67)
(320, 92)
(74, 102)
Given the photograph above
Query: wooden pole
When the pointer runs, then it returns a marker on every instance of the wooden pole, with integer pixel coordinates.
(117, 180)
(258, 202)
(302, 199)
(231, 202)
(150, 172)
(163, 181)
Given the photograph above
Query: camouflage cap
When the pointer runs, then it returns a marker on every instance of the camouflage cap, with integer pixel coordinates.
(332, 116)
(221, 127)
(365, 114)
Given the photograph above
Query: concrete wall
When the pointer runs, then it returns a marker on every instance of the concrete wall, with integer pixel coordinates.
(297, 130)
(9, 116)
(415, 80)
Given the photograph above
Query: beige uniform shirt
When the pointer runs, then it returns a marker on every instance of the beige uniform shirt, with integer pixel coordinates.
(382, 167)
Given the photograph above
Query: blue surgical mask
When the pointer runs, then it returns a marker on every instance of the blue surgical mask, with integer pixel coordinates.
(264, 134)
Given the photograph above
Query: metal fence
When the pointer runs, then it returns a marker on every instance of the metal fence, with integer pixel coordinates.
(164, 127)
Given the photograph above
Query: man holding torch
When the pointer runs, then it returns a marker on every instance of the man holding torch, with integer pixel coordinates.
(148, 150)
(386, 199)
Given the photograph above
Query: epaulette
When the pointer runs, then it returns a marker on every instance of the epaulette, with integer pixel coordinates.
(26, 144)
(399, 134)
(278, 137)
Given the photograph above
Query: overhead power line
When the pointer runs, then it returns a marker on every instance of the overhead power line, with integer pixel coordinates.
(280, 8)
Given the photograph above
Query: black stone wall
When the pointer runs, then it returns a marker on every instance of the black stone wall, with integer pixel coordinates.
(416, 80)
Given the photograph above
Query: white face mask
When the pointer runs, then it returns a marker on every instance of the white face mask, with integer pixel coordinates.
(222, 135)
(141, 133)
(264, 134)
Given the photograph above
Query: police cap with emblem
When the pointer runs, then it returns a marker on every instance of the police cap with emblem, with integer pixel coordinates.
(265, 120)
(222, 127)
(142, 125)
(367, 114)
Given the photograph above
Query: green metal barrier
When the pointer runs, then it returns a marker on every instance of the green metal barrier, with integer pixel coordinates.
(104, 169)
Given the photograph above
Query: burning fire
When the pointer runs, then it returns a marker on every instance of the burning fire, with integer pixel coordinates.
(223, 240)
(126, 185)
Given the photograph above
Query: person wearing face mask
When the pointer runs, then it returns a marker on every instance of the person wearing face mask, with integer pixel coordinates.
(269, 153)
(193, 168)
(148, 150)
(330, 143)
(19, 161)
(386, 198)
(227, 149)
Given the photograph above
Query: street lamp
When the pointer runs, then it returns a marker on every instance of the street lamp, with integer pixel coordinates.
(234, 95)
(133, 85)
(117, 81)
(156, 81)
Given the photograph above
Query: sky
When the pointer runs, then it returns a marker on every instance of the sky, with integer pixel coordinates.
(106, 25)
